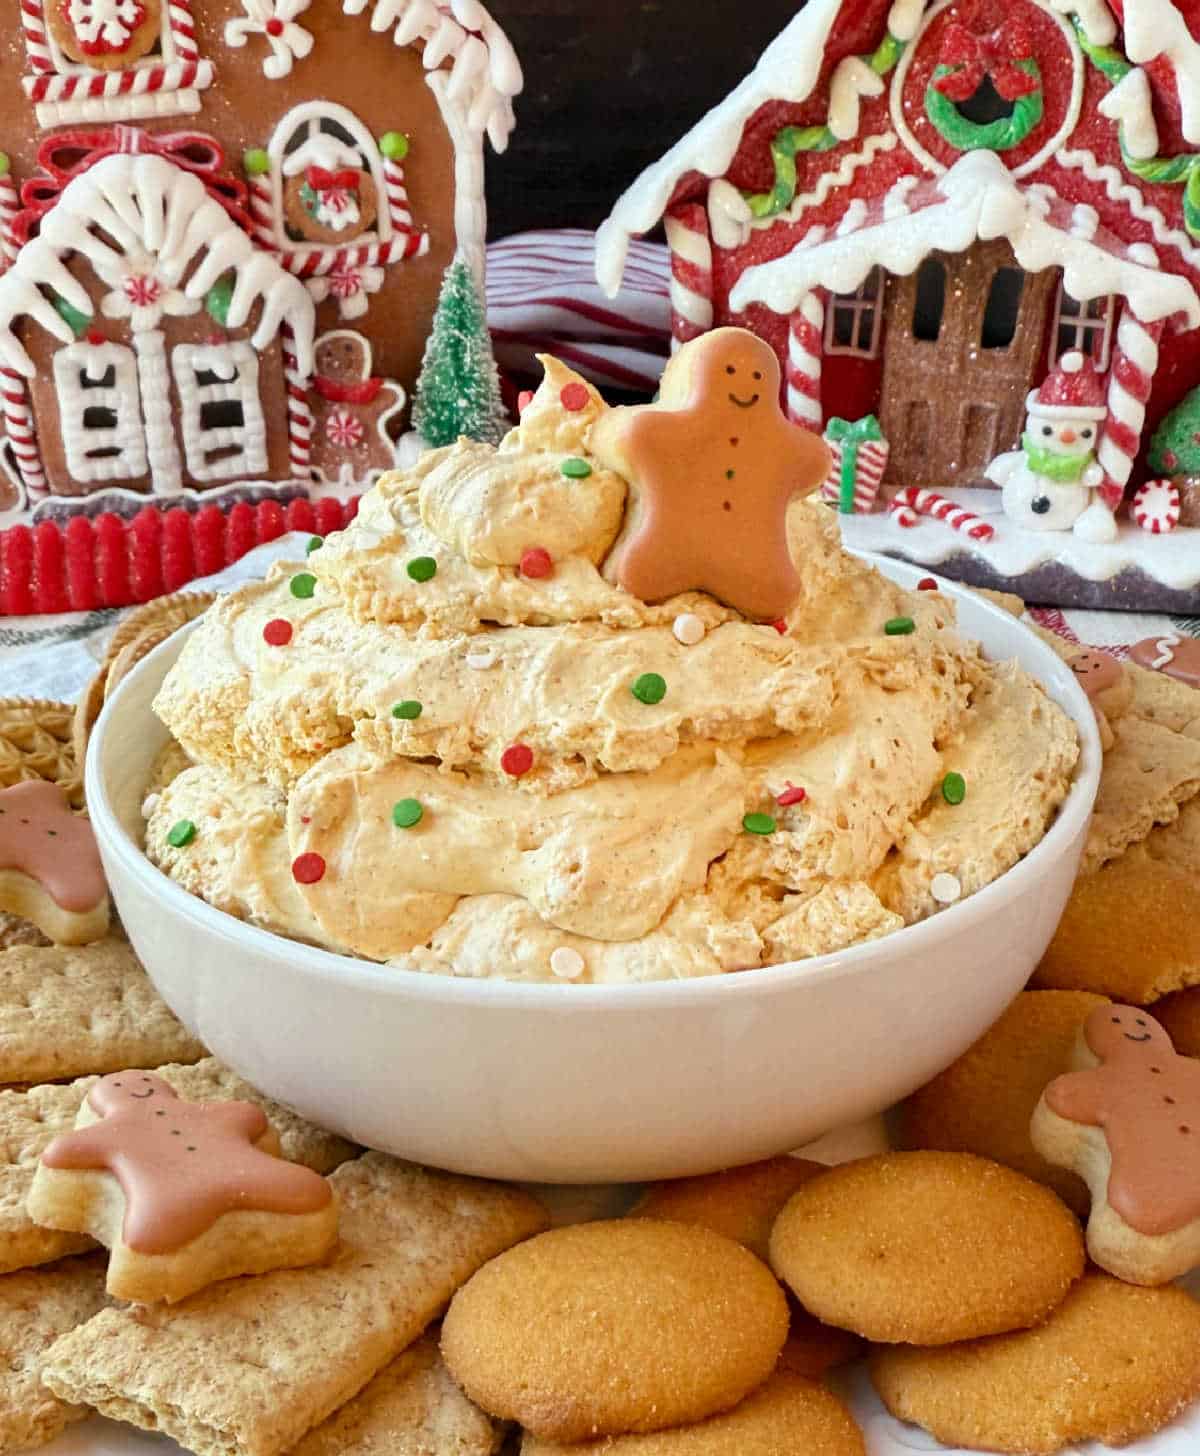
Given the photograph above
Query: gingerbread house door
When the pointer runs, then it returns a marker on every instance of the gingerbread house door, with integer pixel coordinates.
(964, 338)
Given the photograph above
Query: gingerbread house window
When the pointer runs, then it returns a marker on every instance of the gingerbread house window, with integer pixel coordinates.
(329, 181)
(1084, 327)
(111, 60)
(224, 432)
(854, 321)
(1002, 313)
(100, 410)
(929, 307)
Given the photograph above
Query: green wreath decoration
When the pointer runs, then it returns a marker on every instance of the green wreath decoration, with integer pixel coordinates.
(994, 136)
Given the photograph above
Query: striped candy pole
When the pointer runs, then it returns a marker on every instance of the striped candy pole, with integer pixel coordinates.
(1135, 362)
(183, 31)
(10, 205)
(18, 427)
(806, 338)
(36, 43)
(393, 147)
(257, 166)
(300, 419)
(911, 503)
(690, 243)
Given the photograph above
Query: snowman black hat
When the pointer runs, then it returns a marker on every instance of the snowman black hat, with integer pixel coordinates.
(1071, 391)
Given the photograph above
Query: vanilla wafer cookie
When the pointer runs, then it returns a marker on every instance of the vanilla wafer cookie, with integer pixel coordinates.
(35, 1309)
(248, 1367)
(67, 1011)
(35, 743)
(411, 1408)
(30, 1121)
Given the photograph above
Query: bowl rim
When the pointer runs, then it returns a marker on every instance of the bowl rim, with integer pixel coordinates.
(352, 972)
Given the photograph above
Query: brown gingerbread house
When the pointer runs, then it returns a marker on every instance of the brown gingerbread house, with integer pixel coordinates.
(204, 204)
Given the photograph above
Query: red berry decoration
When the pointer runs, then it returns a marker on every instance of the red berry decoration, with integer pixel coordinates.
(308, 869)
(277, 633)
(517, 760)
(927, 583)
(780, 627)
(791, 795)
(537, 564)
(274, 26)
(575, 397)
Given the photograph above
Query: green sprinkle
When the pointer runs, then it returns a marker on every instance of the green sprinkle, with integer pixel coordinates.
(759, 824)
(576, 469)
(650, 688)
(5, 164)
(394, 145)
(303, 586)
(900, 627)
(422, 568)
(314, 544)
(410, 709)
(256, 162)
(181, 835)
(407, 814)
(954, 788)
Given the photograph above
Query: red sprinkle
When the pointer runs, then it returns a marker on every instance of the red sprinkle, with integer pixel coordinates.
(308, 869)
(524, 400)
(927, 583)
(575, 397)
(791, 795)
(781, 627)
(537, 563)
(274, 26)
(517, 760)
(277, 633)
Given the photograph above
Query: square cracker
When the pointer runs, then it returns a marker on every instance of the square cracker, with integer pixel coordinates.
(66, 1011)
(30, 1121)
(1148, 773)
(35, 1309)
(411, 1408)
(246, 1368)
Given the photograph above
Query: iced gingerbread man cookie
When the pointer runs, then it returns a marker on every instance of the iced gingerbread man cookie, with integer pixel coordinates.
(1107, 686)
(50, 870)
(1129, 1124)
(1178, 657)
(712, 469)
(182, 1193)
(351, 409)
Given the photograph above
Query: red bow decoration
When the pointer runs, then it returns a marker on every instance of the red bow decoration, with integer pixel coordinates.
(68, 155)
(975, 57)
(337, 391)
(322, 181)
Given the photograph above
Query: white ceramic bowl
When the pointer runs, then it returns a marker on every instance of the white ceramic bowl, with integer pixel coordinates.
(563, 1083)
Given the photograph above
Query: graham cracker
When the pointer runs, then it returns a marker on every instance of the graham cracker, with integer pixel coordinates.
(30, 1121)
(248, 1367)
(411, 1408)
(1148, 773)
(66, 1011)
(35, 1309)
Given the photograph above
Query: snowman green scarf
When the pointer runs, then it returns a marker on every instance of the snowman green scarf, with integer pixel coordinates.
(1058, 469)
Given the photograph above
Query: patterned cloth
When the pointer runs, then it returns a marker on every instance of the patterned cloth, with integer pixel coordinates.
(542, 298)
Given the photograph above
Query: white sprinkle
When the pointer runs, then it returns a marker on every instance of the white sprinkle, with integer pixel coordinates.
(688, 629)
(479, 659)
(567, 964)
(149, 804)
(946, 889)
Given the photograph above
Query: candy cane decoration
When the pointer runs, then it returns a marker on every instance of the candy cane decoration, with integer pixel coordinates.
(690, 243)
(912, 503)
(261, 201)
(1135, 362)
(10, 205)
(36, 43)
(18, 427)
(300, 419)
(805, 345)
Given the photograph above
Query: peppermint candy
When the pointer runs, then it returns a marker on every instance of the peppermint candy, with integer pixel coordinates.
(104, 27)
(1156, 507)
(344, 430)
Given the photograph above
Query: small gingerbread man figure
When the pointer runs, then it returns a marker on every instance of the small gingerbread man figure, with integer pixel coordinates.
(712, 469)
(351, 409)
(50, 870)
(181, 1170)
(1108, 687)
(1129, 1123)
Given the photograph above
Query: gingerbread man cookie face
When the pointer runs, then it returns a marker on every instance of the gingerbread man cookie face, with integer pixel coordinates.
(50, 870)
(712, 469)
(1130, 1124)
(1098, 672)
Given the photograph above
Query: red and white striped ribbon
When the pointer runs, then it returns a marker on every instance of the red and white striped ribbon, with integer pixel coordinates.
(690, 242)
(805, 347)
(18, 427)
(300, 417)
(913, 502)
(1135, 363)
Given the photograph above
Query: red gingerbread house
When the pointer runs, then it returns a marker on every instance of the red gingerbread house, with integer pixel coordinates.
(205, 203)
(926, 208)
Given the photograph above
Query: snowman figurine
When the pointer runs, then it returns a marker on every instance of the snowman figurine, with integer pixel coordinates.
(1049, 483)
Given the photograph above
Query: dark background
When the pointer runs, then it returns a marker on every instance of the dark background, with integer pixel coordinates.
(610, 85)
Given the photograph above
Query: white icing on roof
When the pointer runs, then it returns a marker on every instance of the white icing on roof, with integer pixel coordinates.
(977, 200)
(485, 74)
(158, 216)
(1154, 28)
(788, 70)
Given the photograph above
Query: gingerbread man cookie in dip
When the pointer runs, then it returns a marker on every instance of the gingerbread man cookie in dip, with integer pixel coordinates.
(1107, 686)
(1129, 1124)
(182, 1193)
(50, 870)
(1178, 657)
(712, 469)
